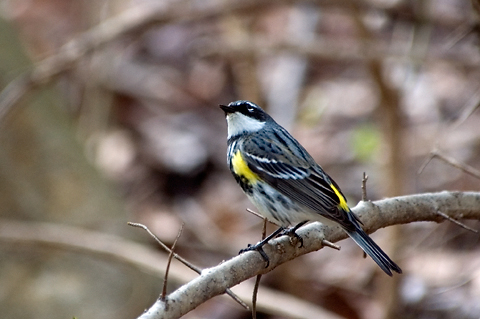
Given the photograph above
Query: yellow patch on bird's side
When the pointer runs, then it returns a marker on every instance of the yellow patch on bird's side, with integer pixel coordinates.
(343, 202)
(240, 167)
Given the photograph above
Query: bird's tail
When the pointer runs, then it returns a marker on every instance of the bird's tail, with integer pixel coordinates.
(372, 249)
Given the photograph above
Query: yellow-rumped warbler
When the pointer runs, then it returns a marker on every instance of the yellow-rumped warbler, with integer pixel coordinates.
(285, 183)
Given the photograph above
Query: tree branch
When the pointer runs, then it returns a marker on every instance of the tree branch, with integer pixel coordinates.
(143, 258)
(374, 215)
(213, 281)
(135, 19)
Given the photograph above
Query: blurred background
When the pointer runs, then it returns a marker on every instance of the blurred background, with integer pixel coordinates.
(117, 120)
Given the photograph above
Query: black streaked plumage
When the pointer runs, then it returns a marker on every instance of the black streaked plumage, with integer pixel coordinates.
(285, 183)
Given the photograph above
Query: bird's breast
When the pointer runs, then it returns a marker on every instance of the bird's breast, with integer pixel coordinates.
(244, 176)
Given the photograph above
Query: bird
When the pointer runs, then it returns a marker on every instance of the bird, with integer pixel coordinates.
(285, 183)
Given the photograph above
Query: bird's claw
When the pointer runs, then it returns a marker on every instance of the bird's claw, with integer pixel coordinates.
(292, 233)
(259, 248)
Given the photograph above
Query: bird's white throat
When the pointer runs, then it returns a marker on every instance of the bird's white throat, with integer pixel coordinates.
(239, 123)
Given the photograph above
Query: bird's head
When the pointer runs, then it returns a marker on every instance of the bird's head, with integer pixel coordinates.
(244, 117)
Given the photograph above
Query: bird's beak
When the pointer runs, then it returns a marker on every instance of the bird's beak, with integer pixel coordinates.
(227, 109)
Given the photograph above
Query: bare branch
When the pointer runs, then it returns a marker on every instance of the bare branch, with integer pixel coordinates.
(327, 243)
(456, 222)
(472, 105)
(374, 215)
(148, 260)
(85, 241)
(255, 213)
(196, 269)
(170, 255)
(257, 280)
(451, 161)
(364, 187)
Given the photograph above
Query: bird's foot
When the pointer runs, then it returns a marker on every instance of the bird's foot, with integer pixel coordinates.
(292, 233)
(294, 237)
(258, 247)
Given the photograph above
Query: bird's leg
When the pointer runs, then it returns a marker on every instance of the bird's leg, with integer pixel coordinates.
(259, 246)
(292, 232)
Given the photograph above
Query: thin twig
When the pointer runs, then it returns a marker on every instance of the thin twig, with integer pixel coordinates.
(451, 161)
(257, 280)
(170, 255)
(456, 222)
(255, 213)
(457, 35)
(327, 243)
(425, 162)
(472, 105)
(196, 269)
(13, 92)
(364, 187)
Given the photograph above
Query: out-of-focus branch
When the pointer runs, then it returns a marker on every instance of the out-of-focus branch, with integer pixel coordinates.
(145, 259)
(50, 68)
(374, 215)
(135, 19)
(101, 245)
(333, 50)
(390, 119)
(243, 66)
(436, 153)
(141, 17)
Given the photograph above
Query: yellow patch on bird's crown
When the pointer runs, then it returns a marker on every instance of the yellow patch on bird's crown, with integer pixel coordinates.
(343, 202)
(240, 167)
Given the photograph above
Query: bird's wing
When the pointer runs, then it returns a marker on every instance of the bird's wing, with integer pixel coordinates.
(295, 174)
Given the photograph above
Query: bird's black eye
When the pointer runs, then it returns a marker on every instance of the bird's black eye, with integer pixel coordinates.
(250, 108)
